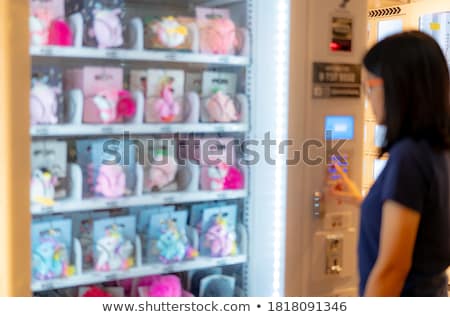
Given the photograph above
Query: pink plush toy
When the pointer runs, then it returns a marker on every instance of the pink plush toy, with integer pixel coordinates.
(126, 106)
(60, 33)
(107, 28)
(221, 177)
(145, 287)
(163, 286)
(96, 292)
(220, 241)
(161, 175)
(219, 37)
(166, 106)
(221, 108)
(234, 179)
(111, 181)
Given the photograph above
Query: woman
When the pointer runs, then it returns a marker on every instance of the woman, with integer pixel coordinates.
(404, 243)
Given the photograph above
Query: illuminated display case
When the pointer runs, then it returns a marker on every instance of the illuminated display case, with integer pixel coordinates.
(107, 92)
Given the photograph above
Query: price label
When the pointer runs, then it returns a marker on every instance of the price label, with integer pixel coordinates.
(47, 286)
(166, 129)
(112, 204)
(221, 262)
(168, 269)
(48, 210)
(111, 277)
(219, 128)
(107, 130)
(169, 199)
(222, 196)
(171, 57)
(224, 59)
(111, 54)
(42, 131)
(47, 51)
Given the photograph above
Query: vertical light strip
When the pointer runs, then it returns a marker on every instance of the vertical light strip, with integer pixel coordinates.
(281, 86)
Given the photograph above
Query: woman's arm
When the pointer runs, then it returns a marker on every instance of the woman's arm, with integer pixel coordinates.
(397, 239)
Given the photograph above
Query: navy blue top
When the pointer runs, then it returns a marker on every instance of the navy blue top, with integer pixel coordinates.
(416, 177)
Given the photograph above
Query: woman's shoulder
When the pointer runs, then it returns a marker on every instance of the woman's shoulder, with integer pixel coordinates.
(418, 154)
(410, 148)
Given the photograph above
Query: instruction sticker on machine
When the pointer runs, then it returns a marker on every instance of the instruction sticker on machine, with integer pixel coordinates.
(336, 80)
(437, 25)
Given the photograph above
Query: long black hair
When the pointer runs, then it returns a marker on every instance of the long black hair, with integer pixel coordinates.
(416, 88)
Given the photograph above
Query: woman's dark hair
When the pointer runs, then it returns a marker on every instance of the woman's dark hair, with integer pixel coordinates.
(416, 88)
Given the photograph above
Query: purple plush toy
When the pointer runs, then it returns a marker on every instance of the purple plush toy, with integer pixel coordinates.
(220, 240)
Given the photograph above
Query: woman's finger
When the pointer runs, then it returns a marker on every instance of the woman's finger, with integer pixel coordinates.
(351, 185)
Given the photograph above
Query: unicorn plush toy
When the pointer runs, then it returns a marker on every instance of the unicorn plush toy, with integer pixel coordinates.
(220, 240)
(43, 187)
(50, 259)
(114, 252)
(107, 28)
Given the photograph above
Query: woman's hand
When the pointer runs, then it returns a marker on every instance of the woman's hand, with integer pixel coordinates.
(345, 190)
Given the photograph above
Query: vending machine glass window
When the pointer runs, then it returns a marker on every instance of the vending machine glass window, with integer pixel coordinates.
(389, 27)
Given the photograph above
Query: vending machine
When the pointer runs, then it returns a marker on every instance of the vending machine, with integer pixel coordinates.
(327, 126)
(148, 167)
(330, 109)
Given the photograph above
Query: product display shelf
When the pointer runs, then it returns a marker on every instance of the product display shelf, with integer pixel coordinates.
(79, 53)
(92, 277)
(68, 206)
(63, 130)
(74, 202)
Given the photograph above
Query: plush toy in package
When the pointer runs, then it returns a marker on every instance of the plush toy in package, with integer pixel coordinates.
(47, 23)
(165, 94)
(168, 33)
(219, 102)
(143, 216)
(196, 213)
(218, 32)
(162, 168)
(218, 238)
(218, 167)
(103, 21)
(105, 100)
(46, 98)
(108, 166)
(49, 180)
(168, 240)
(114, 243)
(51, 249)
